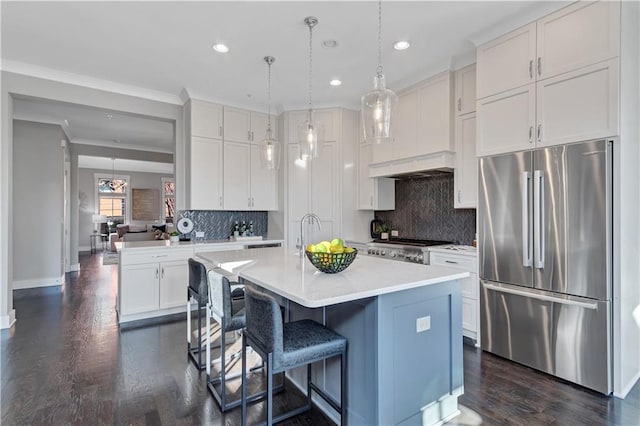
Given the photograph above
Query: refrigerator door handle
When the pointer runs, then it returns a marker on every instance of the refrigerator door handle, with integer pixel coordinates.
(567, 300)
(538, 218)
(526, 246)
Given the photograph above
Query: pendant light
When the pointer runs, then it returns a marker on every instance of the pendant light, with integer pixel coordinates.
(310, 133)
(269, 147)
(377, 106)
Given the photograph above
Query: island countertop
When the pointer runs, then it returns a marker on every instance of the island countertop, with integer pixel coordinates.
(281, 271)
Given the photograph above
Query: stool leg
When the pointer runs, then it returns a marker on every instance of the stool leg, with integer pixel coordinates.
(309, 385)
(199, 336)
(188, 325)
(343, 388)
(223, 367)
(243, 415)
(269, 390)
(208, 357)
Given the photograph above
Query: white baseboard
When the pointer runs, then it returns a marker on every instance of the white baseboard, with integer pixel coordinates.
(73, 268)
(39, 282)
(625, 391)
(6, 321)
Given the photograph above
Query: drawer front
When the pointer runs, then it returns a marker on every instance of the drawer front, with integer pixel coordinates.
(168, 254)
(467, 263)
(469, 315)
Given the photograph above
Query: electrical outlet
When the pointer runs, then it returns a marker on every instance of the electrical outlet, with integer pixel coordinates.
(199, 234)
(423, 324)
(394, 233)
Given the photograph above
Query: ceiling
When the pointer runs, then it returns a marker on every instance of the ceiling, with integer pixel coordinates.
(165, 47)
(123, 165)
(94, 126)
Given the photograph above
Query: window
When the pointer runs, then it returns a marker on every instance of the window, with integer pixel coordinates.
(169, 199)
(113, 197)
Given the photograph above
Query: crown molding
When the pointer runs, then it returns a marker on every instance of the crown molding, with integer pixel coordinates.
(111, 144)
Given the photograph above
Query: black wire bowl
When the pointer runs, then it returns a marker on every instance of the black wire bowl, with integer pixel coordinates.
(331, 263)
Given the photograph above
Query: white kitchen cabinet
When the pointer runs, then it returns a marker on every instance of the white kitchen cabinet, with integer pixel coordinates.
(174, 277)
(465, 176)
(247, 126)
(264, 184)
(237, 175)
(506, 121)
(506, 62)
(435, 119)
(237, 125)
(326, 117)
(205, 119)
(469, 287)
(139, 289)
(578, 105)
(465, 83)
(206, 174)
(581, 34)
(373, 193)
(247, 186)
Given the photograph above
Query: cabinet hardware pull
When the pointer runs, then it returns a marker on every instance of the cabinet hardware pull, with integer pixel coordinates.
(451, 261)
(248, 134)
(459, 104)
(156, 273)
(539, 65)
(539, 132)
(252, 137)
(220, 201)
(219, 130)
(163, 272)
(530, 134)
(253, 202)
(531, 68)
(459, 193)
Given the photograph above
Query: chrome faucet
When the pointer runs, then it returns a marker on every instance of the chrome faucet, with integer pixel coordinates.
(313, 218)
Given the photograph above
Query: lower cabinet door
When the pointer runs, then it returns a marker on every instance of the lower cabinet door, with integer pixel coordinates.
(173, 283)
(139, 288)
(469, 322)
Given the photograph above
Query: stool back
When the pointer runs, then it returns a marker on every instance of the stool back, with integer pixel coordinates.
(264, 322)
(198, 280)
(220, 294)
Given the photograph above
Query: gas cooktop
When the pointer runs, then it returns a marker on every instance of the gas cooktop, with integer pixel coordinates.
(412, 242)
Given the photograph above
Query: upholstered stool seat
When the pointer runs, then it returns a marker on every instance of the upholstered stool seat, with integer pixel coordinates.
(286, 346)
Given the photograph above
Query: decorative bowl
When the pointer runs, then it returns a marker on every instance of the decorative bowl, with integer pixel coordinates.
(331, 263)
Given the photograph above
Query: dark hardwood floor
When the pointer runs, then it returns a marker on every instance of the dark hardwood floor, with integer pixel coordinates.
(66, 362)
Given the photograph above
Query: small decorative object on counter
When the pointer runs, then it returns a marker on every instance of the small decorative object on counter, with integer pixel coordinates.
(383, 230)
(251, 228)
(236, 230)
(175, 237)
(243, 229)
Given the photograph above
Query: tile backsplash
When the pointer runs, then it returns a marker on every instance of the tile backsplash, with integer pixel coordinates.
(217, 224)
(424, 210)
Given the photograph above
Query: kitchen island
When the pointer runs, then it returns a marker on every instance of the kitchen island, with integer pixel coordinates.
(402, 322)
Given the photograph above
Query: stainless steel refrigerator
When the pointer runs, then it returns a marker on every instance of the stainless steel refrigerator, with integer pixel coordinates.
(545, 226)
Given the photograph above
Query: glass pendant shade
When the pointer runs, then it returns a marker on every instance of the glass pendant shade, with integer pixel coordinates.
(310, 136)
(270, 152)
(376, 107)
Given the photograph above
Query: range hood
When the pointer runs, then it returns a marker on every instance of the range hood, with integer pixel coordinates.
(433, 164)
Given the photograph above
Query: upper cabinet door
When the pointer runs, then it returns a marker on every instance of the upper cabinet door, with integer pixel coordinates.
(236, 176)
(465, 177)
(579, 105)
(506, 62)
(324, 181)
(206, 119)
(206, 174)
(578, 35)
(264, 184)
(237, 125)
(465, 90)
(505, 122)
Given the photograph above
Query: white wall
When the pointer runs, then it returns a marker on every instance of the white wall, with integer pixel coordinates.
(38, 203)
(627, 208)
(87, 197)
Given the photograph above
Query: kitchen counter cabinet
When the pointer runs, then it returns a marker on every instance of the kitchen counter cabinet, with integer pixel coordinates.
(402, 322)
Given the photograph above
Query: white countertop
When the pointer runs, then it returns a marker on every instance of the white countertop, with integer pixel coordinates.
(281, 271)
(451, 248)
(150, 244)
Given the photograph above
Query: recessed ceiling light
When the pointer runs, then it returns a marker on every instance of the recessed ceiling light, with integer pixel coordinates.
(335, 82)
(220, 48)
(329, 44)
(401, 45)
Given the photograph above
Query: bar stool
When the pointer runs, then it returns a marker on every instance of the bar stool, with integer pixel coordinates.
(228, 312)
(286, 346)
(197, 293)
